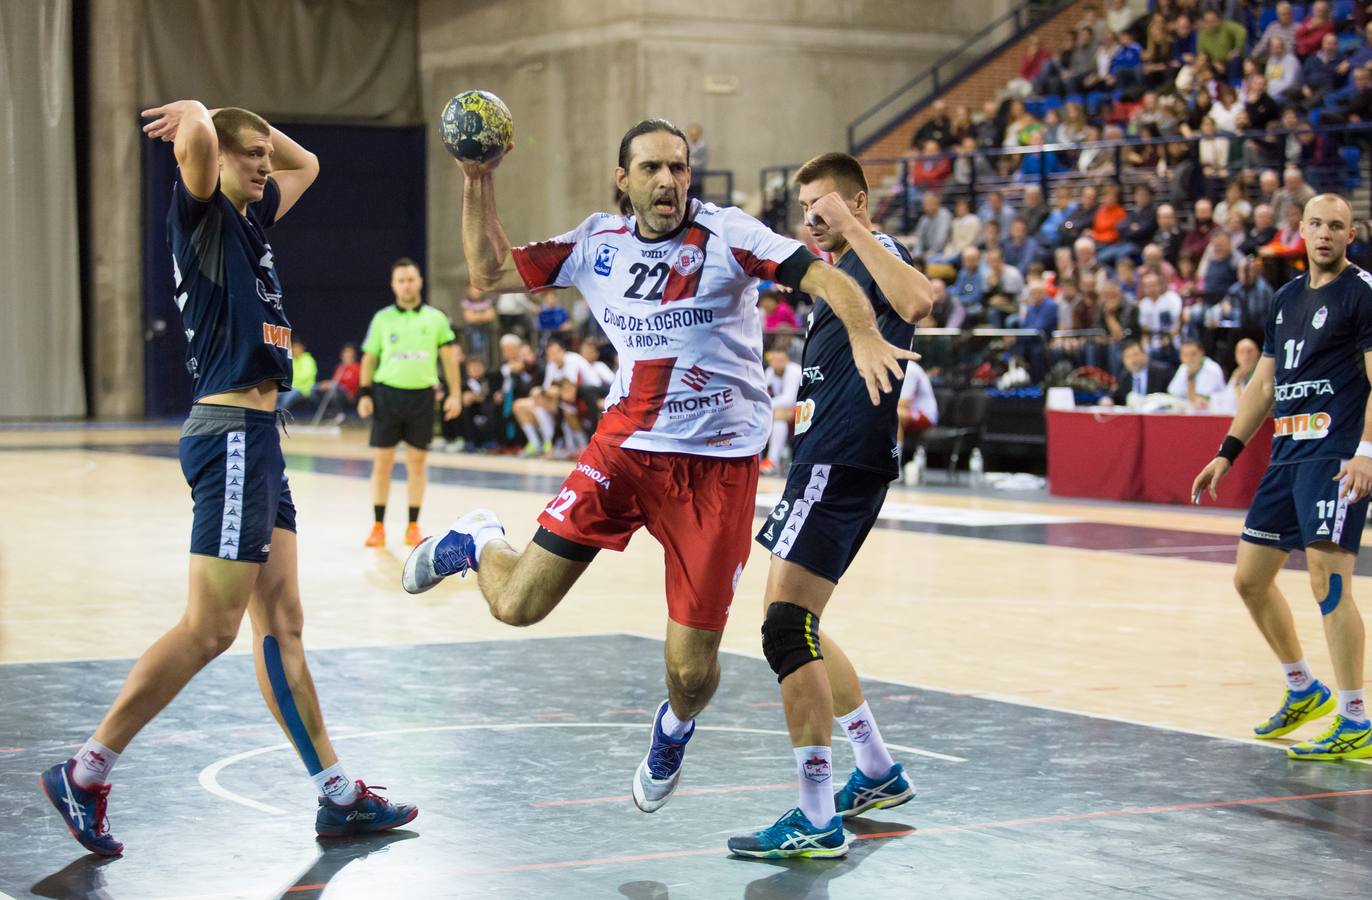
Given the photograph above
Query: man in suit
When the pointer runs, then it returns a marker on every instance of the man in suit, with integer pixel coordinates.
(1140, 374)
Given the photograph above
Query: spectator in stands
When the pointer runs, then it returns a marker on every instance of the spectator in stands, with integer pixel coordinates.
(1074, 122)
(1324, 71)
(1184, 285)
(1032, 208)
(1181, 169)
(1203, 226)
(1294, 192)
(1079, 217)
(783, 384)
(1139, 374)
(1260, 106)
(1110, 215)
(947, 311)
(1282, 28)
(1159, 317)
(1117, 314)
(1362, 57)
(990, 236)
(1119, 16)
(931, 170)
(1310, 33)
(1261, 232)
(969, 288)
(1003, 285)
(1126, 275)
(1156, 262)
(1246, 356)
(342, 385)
(1235, 226)
(932, 230)
(1094, 160)
(1159, 56)
(1234, 201)
(1224, 41)
(1034, 59)
(1226, 108)
(964, 232)
(1125, 71)
(1183, 41)
(1300, 146)
(1085, 264)
(937, 128)
(514, 312)
(1214, 155)
(1047, 233)
(1169, 234)
(987, 127)
(1019, 249)
(1269, 182)
(1144, 156)
(478, 320)
(994, 208)
(1041, 163)
(1218, 268)
(304, 371)
(1041, 313)
(777, 315)
(1250, 300)
(1199, 377)
(1283, 70)
(592, 352)
(553, 319)
(1284, 255)
(1358, 105)
(1082, 62)
(970, 166)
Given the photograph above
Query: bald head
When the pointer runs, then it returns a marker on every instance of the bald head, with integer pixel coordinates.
(1325, 206)
(1327, 228)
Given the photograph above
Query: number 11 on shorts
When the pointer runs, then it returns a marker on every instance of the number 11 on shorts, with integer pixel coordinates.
(560, 504)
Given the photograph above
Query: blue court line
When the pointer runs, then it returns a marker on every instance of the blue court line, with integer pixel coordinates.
(1101, 536)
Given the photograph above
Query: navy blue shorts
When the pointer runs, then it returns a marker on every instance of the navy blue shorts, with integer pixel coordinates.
(823, 517)
(1298, 505)
(232, 460)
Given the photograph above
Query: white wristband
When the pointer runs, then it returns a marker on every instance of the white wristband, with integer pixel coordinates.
(1364, 449)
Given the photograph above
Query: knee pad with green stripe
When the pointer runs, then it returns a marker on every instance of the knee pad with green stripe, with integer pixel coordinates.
(790, 638)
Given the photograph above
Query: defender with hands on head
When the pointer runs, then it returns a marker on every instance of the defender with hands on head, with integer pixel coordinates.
(673, 282)
(237, 176)
(1316, 358)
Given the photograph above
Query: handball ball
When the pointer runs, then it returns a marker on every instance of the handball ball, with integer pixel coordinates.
(476, 126)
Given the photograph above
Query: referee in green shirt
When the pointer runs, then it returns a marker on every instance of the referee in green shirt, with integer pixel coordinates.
(399, 372)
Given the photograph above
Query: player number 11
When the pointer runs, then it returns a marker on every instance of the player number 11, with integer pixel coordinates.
(1293, 353)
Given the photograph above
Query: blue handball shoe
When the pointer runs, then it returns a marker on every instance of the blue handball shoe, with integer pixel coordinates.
(1297, 709)
(660, 771)
(862, 793)
(793, 835)
(451, 553)
(367, 814)
(83, 809)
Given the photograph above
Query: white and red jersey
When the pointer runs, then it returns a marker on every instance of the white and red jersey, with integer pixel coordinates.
(784, 387)
(682, 313)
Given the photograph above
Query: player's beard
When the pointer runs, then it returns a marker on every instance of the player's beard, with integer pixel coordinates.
(657, 222)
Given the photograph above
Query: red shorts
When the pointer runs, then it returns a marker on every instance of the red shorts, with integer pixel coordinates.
(700, 509)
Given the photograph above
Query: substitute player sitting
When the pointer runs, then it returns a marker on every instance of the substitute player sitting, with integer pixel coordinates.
(846, 455)
(1316, 358)
(674, 284)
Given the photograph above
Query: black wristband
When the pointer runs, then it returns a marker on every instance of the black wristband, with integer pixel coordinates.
(364, 391)
(1230, 448)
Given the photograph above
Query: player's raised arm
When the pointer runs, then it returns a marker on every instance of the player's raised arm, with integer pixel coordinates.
(1254, 405)
(294, 169)
(905, 287)
(187, 124)
(876, 360)
(489, 260)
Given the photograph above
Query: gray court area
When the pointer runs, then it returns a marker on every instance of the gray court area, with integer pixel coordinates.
(519, 754)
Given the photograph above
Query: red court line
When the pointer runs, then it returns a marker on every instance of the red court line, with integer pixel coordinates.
(937, 829)
(684, 792)
(304, 887)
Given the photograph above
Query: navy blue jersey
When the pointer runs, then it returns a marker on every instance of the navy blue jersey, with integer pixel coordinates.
(836, 423)
(228, 291)
(1318, 338)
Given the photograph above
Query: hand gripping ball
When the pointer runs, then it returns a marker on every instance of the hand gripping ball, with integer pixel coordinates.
(476, 126)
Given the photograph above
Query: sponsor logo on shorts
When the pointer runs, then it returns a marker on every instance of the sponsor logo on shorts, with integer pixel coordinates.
(816, 769)
(805, 416)
(1261, 535)
(689, 260)
(604, 259)
(1304, 427)
(1321, 316)
(859, 731)
(595, 475)
(1299, 390)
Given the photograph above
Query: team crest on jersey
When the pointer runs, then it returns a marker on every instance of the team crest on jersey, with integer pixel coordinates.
(689, 260)
(1321, 316)
(604, 258)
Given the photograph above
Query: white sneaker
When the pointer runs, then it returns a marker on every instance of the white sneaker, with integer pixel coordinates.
(451, 553)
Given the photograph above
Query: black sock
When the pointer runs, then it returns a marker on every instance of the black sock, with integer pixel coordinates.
(414, 514)
(380, 512)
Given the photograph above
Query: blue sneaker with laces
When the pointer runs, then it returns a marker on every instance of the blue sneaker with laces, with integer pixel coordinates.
(1345, 739)
(660, 771)
(793, 835)
(862, 793)
(82, 809)
(451, 553)
(1297, 709)
(367, 814)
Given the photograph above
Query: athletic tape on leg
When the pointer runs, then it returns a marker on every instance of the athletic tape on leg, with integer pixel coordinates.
(285, 702)
(1331, 602)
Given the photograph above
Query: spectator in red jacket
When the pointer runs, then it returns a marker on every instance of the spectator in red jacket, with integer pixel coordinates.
(1035, 57)
(1110, 214)
(1198, 238)
(931, 171)
(1316, 25)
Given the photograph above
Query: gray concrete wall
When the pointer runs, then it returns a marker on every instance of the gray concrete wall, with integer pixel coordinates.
(773, 82)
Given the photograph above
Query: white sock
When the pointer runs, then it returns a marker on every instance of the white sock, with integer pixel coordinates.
(484, 535)
(780, 431)
(1351, 706)
(873, 760)
(334, 783)
(531, 433)
(93, 764)
(546, 426)
(1299, 677)
(673, 727)
(815, 765)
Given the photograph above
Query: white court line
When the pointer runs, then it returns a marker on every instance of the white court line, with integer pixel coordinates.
(209, 776)
(1146, 550)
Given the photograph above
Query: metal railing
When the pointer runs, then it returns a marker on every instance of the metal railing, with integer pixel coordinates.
(715, 186)
(888, 112)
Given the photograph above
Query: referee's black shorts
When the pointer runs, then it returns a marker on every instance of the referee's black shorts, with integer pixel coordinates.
(402, 415)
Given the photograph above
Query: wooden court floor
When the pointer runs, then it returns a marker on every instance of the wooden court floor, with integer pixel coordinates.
(93, 565)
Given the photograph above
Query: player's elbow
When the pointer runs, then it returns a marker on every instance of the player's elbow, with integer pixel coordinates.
(483, 280)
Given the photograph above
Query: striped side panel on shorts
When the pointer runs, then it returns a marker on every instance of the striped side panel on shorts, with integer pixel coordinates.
(1340, 514)
(814, 491)
(235, 468)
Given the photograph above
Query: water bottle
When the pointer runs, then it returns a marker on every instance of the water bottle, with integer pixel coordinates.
(976, 467)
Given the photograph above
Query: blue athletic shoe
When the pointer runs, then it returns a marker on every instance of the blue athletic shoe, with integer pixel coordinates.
(452, 553)
(793, 835)
(82, 809)
(367, 814)
(1345, 739)
(1297, 709)
(862, 793)
(660, 771)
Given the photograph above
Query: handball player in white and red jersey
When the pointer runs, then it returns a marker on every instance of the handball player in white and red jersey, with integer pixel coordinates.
(674, 284)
